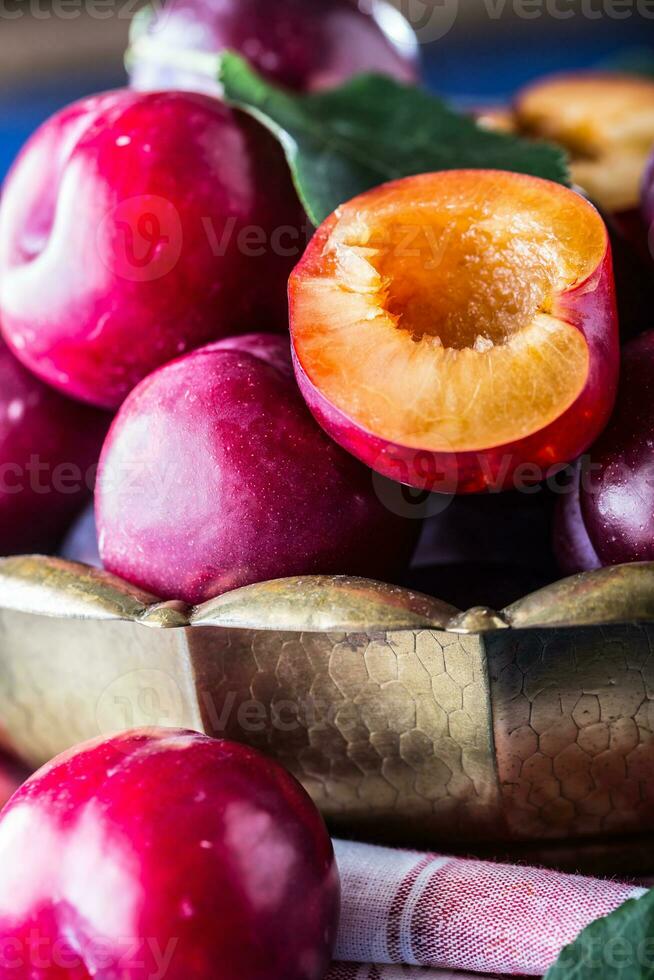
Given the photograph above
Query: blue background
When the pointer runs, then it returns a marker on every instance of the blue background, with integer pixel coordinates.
(478, 67)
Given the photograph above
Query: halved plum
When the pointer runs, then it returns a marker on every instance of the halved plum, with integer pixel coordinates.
(457, 330)
(606, 121)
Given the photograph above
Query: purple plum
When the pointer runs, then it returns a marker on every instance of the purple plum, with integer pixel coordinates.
(49, 447)
(214, 476)
(306, 46)
(612, 520)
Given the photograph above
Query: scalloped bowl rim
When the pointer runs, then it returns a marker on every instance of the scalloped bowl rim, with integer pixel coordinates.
(55, 587)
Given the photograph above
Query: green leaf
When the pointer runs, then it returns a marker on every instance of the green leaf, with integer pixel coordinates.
(620, 946)
(347, 140)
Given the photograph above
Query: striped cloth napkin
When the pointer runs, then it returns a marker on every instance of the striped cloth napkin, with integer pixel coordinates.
(355, 971)
(406, 909)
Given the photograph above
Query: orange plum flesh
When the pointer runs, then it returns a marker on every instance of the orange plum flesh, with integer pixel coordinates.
(458, 330)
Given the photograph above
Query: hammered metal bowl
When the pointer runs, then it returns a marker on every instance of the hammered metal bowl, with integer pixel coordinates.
(404, 718)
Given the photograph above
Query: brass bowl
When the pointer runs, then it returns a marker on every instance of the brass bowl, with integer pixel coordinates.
(403, 717)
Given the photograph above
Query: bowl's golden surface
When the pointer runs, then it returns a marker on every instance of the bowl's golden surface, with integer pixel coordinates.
(404, 718)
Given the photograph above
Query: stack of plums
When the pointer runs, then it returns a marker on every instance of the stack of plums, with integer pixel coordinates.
(150, 241)
(453, 360)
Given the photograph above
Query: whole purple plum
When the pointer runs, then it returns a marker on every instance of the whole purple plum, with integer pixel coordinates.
(613, 516)
(49, 446)
(214, 476)
(306, 46)
(648, 203)
(573, 548)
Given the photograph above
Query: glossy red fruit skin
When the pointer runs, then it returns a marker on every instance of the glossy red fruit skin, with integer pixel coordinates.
(303, 46)
(573, 548)
(617, 502)
(49, 446)
(215, 476)
(193, 857)
(134, 227)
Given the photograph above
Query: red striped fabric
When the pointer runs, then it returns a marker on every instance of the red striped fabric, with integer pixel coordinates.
(409, 909)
